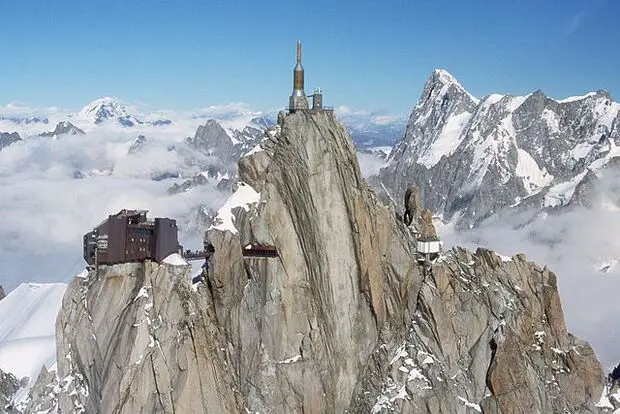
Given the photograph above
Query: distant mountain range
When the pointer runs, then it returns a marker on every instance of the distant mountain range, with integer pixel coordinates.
(367, 129)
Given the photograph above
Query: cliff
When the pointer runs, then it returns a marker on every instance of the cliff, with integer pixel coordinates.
(343, 320)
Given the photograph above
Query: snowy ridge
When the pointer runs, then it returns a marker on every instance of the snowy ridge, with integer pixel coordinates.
(27, 330)
(575, 98)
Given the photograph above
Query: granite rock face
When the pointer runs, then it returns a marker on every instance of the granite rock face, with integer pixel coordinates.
(472, 158)
(342, 320)
(486, 334)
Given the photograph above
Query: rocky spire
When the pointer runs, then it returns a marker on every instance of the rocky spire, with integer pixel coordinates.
(343, 320)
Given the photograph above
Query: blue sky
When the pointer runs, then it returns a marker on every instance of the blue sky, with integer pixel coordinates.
(373, 55)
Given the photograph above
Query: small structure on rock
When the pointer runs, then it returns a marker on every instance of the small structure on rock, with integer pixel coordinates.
(258, 250)
(128, 236)
(298, 100)
(420, 220)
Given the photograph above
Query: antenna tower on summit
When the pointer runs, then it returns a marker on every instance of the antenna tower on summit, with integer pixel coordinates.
(298, 100)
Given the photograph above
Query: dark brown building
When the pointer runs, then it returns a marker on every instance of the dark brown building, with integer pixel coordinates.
(129, 237)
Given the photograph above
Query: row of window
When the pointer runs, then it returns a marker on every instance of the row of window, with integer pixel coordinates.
(141, 249)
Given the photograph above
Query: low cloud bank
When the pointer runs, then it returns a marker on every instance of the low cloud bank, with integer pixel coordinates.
(54, 191)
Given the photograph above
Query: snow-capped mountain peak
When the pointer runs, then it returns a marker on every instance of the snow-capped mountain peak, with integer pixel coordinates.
(444, 76)
(103, 109)
(441, 80)
(598, 93)
(472, 158)
(106, 109)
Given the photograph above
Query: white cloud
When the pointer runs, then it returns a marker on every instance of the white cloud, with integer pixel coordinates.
(370, 164)
(362, 118)
(45, 210)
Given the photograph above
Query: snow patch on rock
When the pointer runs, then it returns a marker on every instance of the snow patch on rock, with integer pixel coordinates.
(448, 140)
(243, 197)
(175, 259)
(530, 172)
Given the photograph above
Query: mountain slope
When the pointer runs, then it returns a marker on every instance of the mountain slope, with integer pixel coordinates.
(27, 340)
(472, 158)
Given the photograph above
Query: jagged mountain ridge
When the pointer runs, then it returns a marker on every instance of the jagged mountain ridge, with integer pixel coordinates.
(344, 320)
(27, 120)
(8, 387)
(63, 128)
(473, 157)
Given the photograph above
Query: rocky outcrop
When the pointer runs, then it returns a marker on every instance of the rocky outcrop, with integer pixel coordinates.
(8, 387)
(342, 320)
(63, 128)
(7, 139)
(487, 334)
(473, 158)
(107, 109)
(2, 294)
(140, 340)
(427, 228)
(43, 396)
(212, 139)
